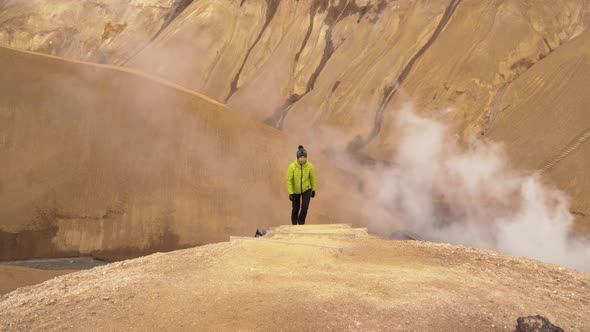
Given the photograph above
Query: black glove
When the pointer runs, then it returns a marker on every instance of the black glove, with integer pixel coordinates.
(312, 194)
(291, 197)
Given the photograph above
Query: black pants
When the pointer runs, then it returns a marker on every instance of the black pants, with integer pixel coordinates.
(296, 216)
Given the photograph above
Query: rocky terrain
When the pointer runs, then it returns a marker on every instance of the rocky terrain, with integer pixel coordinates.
(306, 277)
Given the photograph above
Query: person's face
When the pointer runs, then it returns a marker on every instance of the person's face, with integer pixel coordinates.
(302, 160)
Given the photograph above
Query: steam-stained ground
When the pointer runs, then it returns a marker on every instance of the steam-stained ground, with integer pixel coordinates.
(307, 277)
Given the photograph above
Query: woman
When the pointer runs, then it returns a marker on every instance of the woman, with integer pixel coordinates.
(301, 185)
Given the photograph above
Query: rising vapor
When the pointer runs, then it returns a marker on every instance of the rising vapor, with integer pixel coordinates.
(469, 196)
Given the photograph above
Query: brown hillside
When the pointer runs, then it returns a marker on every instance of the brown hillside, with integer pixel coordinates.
(110, 162)
(316, 64)
(335, 64)
(544, 115)
(100, 31)
(485, 47)
(335, 72)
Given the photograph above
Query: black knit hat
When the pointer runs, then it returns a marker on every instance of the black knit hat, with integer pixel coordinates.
(301, 151)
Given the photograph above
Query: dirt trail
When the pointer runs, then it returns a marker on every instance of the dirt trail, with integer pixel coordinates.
(567, 150)
(316, 277)
(494, 110)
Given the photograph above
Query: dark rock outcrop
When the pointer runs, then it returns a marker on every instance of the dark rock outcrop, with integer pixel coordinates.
(536, 323)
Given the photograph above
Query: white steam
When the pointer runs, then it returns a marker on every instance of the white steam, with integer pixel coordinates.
(469, 196)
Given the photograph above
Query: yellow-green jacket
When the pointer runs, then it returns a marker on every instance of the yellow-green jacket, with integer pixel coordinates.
(300, 178)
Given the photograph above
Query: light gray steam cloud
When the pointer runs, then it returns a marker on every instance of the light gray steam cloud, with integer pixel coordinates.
(469, 196)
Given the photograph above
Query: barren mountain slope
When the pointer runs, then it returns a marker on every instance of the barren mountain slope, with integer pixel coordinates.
(484, 47)
(306, 278)
(310, 65)
(261, 59)
(543, 116)
(104, 161)
(100, 31)
(334, 72)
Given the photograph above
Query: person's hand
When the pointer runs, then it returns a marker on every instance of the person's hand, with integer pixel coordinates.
(291, 197)
(312, 194)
